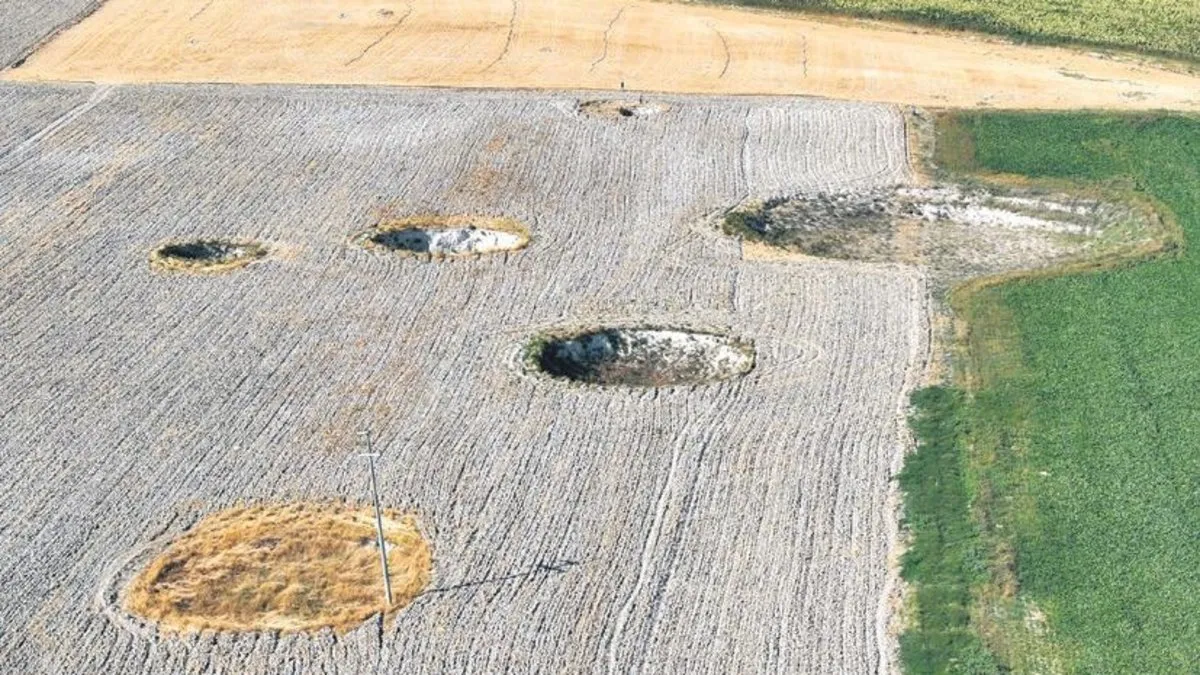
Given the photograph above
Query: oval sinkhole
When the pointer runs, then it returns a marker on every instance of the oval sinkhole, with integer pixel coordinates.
(621, 109)
(447, 236)
(206, 255)
(643, 357)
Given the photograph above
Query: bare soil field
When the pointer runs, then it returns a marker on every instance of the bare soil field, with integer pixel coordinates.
(739, 526)
(597, 44)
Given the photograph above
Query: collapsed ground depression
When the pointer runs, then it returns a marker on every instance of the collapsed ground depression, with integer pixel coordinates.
(738, 526)
(641, 357)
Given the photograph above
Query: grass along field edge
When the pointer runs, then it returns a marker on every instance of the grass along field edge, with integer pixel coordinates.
(943, 560)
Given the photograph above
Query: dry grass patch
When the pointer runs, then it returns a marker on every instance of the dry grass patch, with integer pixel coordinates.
(446, 236)
(206, 256)
(293, 567)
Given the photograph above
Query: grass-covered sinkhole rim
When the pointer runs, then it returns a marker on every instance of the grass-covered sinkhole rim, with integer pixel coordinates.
(639, 356)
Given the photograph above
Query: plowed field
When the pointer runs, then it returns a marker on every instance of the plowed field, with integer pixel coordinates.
(738, 526)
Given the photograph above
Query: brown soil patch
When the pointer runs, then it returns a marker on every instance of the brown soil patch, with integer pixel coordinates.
(597, 44)
(296, 567)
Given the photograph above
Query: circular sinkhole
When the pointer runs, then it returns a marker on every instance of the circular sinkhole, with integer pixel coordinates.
(287, 567)
(447, 236)
(621, 109)
(642, 357)
(206, 256)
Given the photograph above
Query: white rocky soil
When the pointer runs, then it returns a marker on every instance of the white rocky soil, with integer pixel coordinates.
(454, 241)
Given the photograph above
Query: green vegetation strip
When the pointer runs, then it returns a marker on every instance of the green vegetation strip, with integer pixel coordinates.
(1081, 439)
(1166, 27)
(943, 558)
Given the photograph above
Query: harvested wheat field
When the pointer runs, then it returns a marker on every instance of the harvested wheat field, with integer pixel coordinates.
(594, 44)
(738, 523)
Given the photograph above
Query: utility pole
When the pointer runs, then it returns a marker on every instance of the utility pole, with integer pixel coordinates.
(371, 456)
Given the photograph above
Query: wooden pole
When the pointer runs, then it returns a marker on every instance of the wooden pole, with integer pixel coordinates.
(379, 540)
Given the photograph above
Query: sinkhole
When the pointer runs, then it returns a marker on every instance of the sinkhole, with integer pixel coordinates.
(642, 357)
(443, 237)
(206, 255)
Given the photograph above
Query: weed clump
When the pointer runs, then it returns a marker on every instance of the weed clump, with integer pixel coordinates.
(827, 226)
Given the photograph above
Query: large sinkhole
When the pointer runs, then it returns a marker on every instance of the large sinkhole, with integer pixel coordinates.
(454, 236)
(206, 255)
(642, 357)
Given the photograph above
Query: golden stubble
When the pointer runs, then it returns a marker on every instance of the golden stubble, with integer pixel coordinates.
(598, 44)
(289, 567)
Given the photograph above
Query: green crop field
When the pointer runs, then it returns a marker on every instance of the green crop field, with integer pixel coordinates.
(1168, 27)
(1081, 436)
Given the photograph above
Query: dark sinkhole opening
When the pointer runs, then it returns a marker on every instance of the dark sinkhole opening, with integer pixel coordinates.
(642, 357)
(206, 255)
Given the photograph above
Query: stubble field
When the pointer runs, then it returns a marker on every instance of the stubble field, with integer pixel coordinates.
(598, 44)
(744, 525)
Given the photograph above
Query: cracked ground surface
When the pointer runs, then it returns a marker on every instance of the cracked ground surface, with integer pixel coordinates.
(739, 527)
